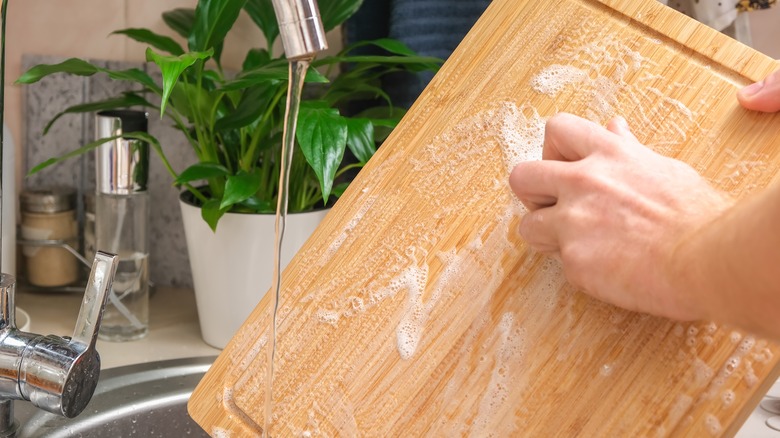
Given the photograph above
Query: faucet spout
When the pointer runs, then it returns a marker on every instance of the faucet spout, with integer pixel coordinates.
(300, 27)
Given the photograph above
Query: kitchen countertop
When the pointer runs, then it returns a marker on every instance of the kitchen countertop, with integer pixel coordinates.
(174, 331)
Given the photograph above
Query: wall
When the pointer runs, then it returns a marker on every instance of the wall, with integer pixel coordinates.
(81, 28)
(765, 29)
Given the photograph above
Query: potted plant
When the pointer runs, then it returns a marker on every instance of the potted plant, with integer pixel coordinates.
(233, 123)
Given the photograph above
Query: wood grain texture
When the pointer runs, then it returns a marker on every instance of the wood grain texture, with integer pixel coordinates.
(416, 309)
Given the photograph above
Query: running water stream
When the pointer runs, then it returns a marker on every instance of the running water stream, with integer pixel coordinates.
(297, 75)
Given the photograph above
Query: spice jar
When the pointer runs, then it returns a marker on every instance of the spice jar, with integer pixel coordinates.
(48, 214)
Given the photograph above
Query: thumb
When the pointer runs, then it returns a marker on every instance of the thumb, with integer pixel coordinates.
(763, 95)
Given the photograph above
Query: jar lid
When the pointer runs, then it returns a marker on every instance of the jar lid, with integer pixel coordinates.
(48, 200)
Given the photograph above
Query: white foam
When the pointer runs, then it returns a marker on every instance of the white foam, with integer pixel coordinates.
(510, 352)
(751, 379)
(336, 244)
(680, 406)
(551, 80)
(410, 328)
(728, 398)
(747, 344)
(218, 432)
(763, 356)
(328, 316)
(702, 373)
(712, 424)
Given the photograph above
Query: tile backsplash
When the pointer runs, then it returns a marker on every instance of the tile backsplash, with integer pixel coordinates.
(168, 261)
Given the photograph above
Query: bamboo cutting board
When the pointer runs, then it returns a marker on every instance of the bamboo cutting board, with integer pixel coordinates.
(416, 309)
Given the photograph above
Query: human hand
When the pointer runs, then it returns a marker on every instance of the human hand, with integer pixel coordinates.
(763, 95)
(614, 212)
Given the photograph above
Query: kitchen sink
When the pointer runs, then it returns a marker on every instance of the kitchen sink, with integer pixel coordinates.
(143, 400)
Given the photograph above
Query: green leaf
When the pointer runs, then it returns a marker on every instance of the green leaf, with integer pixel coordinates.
(335, 12)
(180, 20)
(202, 171)
(413, 63)
(146, 36)
(322, 134)
(360, 139)
(343, 90)
(240, 187)
(254, 102)
(213, 20)
(73, 66)
(193, 102)
(83, 68)
(75, 153)
(255, 58)
(258, 205)
(276, 70)
(124, 101)
(262, 13)
(339, 189)
(172, 67)
(390, 45)
(133, 75)
(211, 213)
(384, 119)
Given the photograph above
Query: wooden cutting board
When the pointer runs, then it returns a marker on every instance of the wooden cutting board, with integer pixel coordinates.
(416, 309)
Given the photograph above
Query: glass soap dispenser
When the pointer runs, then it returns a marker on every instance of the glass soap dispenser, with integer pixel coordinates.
(122, 221)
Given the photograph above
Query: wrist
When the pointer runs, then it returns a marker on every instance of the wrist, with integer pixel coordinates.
(698, 269)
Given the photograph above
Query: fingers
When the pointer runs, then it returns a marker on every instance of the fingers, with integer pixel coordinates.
(538, 230)
(763, 95)
(537, 183)
(571, 138)
(619, 126)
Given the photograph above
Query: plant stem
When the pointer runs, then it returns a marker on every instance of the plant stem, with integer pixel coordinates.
(247, 158)
(176, 117)
(346, 168)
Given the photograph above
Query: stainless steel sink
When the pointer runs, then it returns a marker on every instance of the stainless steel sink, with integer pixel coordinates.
(144, 400)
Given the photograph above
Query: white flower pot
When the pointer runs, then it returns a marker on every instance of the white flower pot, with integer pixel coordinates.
(232, 268)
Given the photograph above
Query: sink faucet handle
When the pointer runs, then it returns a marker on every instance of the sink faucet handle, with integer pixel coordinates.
(98, 287)
(58, 374)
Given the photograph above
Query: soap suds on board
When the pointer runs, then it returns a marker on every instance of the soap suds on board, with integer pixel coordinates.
(596, 74)
(517, 132)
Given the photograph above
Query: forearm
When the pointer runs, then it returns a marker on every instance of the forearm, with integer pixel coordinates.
(731, 268)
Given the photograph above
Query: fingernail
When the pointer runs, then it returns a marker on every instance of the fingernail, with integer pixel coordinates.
(752, 89)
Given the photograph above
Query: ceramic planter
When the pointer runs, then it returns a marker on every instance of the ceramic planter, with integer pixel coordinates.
(232, 268)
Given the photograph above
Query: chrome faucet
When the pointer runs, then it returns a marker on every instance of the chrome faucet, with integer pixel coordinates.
(300, 27)
(56, 374)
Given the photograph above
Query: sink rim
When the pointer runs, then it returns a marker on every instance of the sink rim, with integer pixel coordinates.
(121, 393)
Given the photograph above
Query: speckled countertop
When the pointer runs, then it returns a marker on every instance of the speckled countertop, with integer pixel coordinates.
(174, 331)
